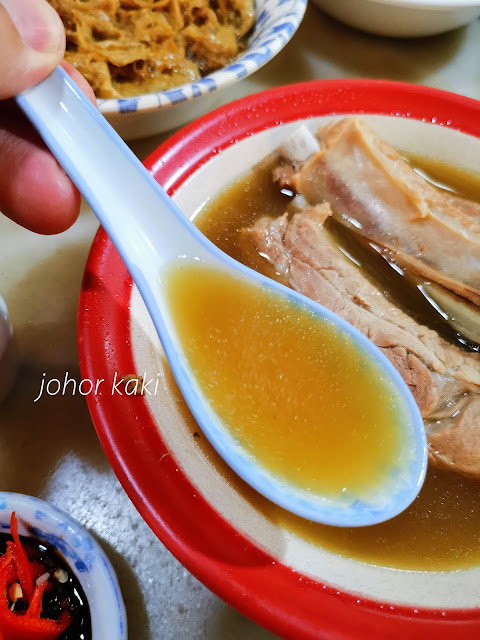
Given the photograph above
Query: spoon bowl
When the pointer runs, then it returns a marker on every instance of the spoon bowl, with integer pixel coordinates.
(153, 237)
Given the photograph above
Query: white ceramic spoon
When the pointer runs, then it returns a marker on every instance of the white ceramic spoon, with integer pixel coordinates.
(151, 233)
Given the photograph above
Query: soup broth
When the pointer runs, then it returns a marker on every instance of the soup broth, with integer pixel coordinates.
(296, 393)
(441, 529)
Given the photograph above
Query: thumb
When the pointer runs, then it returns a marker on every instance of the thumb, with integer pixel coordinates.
(32, 43)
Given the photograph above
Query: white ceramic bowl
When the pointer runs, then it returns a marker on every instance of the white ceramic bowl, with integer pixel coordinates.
(152, 113)
(82, 553)
(403, 18)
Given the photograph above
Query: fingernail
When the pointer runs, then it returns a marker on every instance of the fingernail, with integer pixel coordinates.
(37, 23)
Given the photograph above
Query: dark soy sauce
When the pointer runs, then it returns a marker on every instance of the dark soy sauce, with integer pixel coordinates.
(57, 593)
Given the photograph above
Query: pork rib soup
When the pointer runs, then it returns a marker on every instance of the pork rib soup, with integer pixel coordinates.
(344, 219)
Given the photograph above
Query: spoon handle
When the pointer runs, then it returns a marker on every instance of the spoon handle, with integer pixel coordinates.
(145, 225)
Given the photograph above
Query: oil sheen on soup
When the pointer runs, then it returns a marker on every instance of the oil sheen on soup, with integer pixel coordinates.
(441, 529)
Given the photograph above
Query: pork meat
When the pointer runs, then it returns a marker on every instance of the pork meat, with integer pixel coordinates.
(444, 380)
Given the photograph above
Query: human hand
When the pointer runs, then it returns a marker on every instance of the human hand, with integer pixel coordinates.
(34, 190)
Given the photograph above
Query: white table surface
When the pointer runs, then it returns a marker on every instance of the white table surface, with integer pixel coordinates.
(49, 449)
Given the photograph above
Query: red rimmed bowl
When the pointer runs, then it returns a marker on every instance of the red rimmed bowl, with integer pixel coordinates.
(232, 541)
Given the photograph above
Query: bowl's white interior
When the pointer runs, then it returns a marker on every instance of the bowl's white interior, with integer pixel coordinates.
(452, 589)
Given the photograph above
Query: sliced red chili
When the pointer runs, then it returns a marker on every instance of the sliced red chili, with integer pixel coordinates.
(35, 608)
(6, 558)
(21, 560)
(27, 625)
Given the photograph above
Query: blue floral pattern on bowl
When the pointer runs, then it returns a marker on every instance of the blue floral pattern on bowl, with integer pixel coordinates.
(276, 22)
(82, 553)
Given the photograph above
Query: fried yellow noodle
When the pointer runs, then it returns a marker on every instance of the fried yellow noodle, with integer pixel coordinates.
(128, 47)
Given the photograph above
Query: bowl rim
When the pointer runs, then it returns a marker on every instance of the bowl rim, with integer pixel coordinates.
(99, 576)
(260, 587)
(275, 26)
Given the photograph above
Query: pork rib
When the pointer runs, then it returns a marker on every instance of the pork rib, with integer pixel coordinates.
(373, 189)
(444, 380)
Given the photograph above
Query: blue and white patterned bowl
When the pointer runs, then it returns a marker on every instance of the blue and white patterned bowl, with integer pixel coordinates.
(82, 553)
(151, 113)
